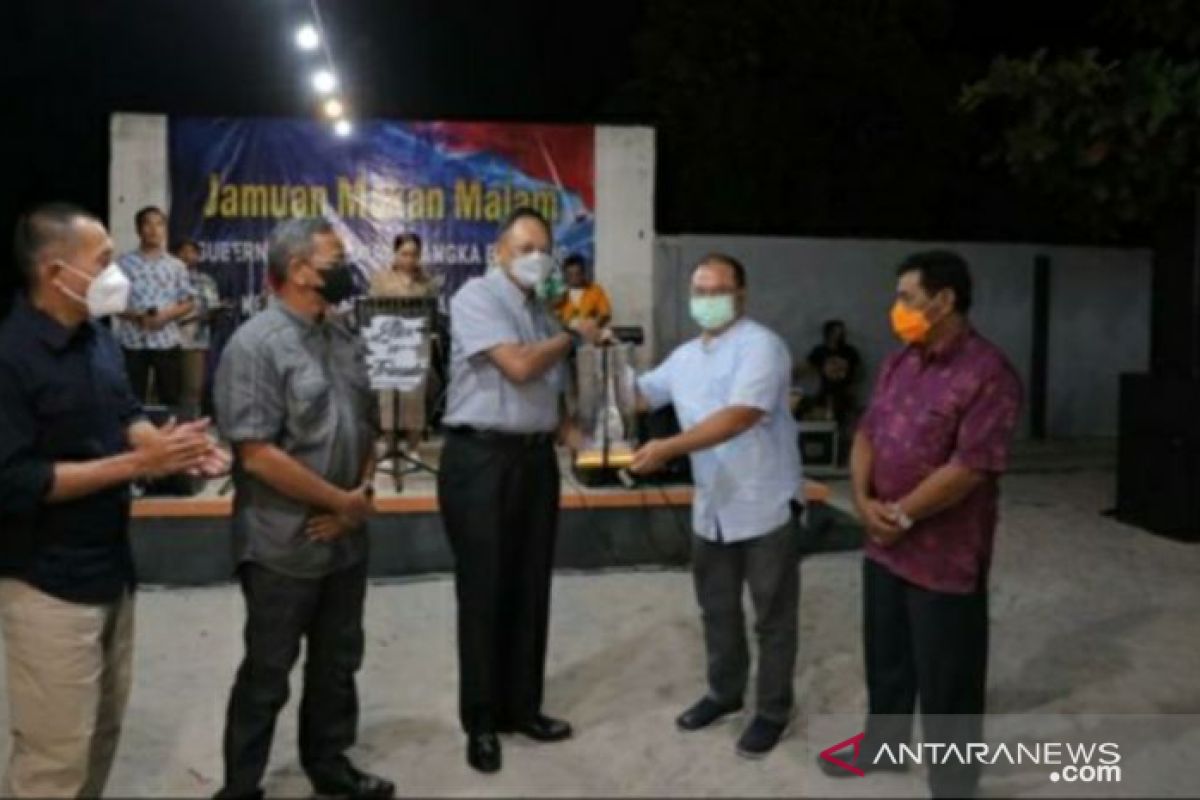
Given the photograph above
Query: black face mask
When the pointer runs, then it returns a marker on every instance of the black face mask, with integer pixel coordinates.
(339, 283)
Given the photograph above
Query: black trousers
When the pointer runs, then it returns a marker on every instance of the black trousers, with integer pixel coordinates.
(499, 503)
(927, 646)
(770, 566)
(281, 611)
(167, 368)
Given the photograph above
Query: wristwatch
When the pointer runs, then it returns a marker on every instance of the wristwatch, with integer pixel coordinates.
(903, 520)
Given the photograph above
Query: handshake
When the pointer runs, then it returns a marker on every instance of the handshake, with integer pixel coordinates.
(180, 448)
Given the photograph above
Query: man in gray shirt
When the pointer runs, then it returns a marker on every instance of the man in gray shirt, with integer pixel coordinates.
(292, 395)
(498, 488)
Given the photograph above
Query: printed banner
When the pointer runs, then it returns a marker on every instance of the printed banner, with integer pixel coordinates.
(233, 180)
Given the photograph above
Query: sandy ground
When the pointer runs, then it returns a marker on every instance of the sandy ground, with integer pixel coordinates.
(1089, 615)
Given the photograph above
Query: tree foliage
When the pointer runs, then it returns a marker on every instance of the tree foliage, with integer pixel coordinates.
(1111, 139)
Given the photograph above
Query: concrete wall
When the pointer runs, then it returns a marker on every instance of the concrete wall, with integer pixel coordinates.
(625, 222)
(1099, 313)
(138, 172)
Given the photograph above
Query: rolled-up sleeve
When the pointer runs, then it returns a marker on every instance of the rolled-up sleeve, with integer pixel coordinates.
(479, 321)
(25, 477)
(763, 372)
(986, 430)
(249, 394)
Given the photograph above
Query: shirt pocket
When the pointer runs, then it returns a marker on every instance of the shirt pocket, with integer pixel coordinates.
(308, 404)
(937, 428)
(71, 425)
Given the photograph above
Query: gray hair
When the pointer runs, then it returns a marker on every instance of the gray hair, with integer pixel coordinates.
(290, 240)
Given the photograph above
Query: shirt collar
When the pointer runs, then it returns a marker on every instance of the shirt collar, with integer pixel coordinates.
(947, 350)
(55, 335)
(727, 335)
(306, 325)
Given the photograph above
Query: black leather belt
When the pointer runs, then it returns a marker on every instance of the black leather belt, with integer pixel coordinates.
(501, 437)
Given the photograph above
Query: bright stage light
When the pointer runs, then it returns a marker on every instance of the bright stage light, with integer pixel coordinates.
(343, 127)
(307, 38)
(334, 108)
(324, 81)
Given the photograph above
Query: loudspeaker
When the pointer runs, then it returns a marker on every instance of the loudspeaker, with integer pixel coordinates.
(1158, 459)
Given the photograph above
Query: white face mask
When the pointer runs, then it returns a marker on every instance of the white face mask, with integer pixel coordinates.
(532, 268)
(107, 293)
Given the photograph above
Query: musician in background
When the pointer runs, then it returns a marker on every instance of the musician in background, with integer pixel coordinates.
(405, 280)
(195, 330)
(583, 298)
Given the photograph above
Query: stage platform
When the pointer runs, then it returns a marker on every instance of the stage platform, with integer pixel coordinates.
(186, 540)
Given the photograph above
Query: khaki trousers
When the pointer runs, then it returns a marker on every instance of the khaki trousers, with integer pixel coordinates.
(193, 380)
(69, 670)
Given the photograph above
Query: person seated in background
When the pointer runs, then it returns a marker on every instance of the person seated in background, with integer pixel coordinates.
(836, 363)
(405, 279)
(584, 298)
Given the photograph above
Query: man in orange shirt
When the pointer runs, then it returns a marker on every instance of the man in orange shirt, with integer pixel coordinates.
(584, 299)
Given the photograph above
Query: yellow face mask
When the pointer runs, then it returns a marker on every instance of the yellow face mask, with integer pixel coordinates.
(912, 327)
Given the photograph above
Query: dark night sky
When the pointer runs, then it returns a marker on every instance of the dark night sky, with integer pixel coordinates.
(69, 64)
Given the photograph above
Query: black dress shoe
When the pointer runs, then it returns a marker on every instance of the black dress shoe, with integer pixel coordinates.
(544, 729)
(483, 752)
(353, 783)
(704, 713)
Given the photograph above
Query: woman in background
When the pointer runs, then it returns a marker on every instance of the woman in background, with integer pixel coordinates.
(405, 279)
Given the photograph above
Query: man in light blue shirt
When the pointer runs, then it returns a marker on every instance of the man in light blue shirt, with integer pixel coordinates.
(730, 390)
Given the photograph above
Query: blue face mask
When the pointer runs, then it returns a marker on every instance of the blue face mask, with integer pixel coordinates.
(713, 312)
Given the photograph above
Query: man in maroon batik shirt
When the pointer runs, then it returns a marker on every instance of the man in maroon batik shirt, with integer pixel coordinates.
(925, 465)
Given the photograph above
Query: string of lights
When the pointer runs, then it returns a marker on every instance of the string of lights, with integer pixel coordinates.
(311, 37)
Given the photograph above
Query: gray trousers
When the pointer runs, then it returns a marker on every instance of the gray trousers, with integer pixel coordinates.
(769, 565)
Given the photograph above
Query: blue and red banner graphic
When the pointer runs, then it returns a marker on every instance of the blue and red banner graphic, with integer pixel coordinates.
(233, 180)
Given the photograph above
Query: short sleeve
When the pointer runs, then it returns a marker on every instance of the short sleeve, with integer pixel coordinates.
(125, 264)
(763, 372)
(603, 306)
(248, 394)
(986, 430)
(479, 321)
